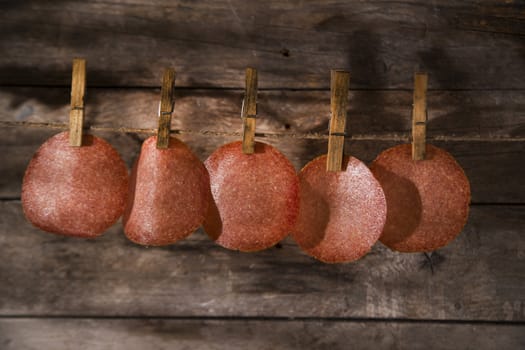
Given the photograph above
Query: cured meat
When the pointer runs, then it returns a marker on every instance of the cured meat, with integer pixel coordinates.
(75, 191)
(254, 197)
(341, 213)
(169, 194)
(427, 200)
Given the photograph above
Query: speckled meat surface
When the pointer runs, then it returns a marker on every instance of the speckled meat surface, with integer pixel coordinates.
(169, 194)
(75, 191)
(427, 200)
(341, 213)
(255, 197)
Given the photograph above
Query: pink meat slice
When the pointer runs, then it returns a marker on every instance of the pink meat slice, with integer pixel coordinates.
(75, 191)
(427, 200)
(169, 194)
(255, 197)
(341, 213)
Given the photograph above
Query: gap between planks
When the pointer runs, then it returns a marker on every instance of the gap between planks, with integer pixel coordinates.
(240, 89)
(270, 319)
(273, 135)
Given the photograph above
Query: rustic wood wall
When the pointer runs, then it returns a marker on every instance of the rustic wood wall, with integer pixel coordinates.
(63, 293)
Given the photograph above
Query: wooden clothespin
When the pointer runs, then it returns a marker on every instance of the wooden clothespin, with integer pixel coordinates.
(339, 86)
(419, 116)
(76, 114)
(166, 108)
(249, 111)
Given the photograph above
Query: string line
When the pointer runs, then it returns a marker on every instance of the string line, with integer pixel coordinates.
(405, 137)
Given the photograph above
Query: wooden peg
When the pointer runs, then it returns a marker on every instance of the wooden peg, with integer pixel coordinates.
(419, 116)
(249, 111)
(76, 114)
(166, 108)
(339, 86)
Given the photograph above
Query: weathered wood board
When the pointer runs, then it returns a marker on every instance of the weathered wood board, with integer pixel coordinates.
(484, 114)
(479, 276)
(161, 334)
(294, 43)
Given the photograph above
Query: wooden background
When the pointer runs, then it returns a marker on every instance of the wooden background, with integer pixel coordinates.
(63, 293)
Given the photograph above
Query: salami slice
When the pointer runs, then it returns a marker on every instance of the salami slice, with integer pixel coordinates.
(255, 197)
(427, 200)
(169, 194)
(341, 213)
(75, 191)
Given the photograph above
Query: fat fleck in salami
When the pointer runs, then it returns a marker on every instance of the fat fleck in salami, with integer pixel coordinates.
(75, 191)
(169, 194)
(255, 197)
(341, 213)
(427, 200)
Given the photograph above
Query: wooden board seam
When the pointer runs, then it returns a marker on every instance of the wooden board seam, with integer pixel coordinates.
(270, 319)
(405, 137)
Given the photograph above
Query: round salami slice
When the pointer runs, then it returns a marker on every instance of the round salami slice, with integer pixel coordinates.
(75, 191)
(341, 213)
(255, 197)
(169, 194)
(427, 200)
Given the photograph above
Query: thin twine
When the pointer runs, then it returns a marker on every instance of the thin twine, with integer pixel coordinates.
(406, 137)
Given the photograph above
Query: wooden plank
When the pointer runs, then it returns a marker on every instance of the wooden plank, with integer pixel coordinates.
(480, 276)
(495, 169)
(454, 113)
(159, 334)
(294, 43)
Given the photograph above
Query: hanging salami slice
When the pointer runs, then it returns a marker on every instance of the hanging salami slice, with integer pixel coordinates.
(168, 194)
(254, 197)
(341, 213)
(75, 191)
(427, 200)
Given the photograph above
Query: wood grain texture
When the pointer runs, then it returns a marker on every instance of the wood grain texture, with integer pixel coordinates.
(251, 334)
(165, 108)
(419, 116)
(76, 112)
(294, 43)
(340, 84)
(454, 113)
(249, 111)
(479, 276)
